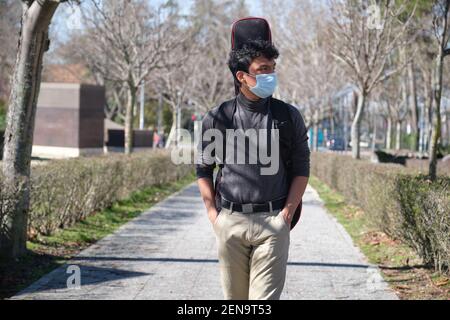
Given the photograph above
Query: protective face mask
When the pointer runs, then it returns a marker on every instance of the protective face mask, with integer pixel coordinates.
(265, 85)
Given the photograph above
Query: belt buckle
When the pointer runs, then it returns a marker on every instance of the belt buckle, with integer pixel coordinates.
(247, 208)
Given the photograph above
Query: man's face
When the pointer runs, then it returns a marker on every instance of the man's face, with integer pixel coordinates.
(259, 65)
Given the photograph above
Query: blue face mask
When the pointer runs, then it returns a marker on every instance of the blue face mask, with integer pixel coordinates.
(265, 85)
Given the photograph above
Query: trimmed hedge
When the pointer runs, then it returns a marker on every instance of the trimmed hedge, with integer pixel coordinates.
(397, 200)
(443, 168)
(66, 191)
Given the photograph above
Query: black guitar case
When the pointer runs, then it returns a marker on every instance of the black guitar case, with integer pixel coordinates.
(250, 28)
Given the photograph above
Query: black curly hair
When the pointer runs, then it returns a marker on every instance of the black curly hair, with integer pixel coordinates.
(240, 60)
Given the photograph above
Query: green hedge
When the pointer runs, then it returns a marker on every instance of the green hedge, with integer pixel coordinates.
(66, 191)
(397, 200)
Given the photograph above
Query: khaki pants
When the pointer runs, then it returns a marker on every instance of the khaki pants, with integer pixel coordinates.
(253, 252)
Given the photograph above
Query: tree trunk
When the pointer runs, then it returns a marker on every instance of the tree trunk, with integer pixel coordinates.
(356, 125)
(430, 122)
(414, 107)
(436, 125)
(427, 110)
(437, 92)
(159, 124)
(389, 134)
(447, 130)
(25, 87)
(129, 117)
(374, 138)
(398, 135)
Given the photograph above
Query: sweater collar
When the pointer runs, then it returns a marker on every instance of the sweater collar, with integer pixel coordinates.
(254, 106)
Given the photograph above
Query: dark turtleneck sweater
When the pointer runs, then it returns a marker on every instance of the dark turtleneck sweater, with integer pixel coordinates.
(244, 183)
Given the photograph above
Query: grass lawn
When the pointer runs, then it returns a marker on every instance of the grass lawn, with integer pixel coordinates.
(400, 266)
(48, 252)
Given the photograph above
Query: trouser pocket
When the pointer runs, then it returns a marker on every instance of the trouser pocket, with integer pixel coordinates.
(222, 214)
(281, 216)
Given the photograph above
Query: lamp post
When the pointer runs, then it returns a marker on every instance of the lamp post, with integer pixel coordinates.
(141, 111)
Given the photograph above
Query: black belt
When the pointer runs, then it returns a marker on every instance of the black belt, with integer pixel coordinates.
(254, 207)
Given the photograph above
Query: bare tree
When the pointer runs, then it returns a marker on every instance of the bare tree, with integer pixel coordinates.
(393, 104)
(9, 31)
(413, 103)
(365, 47)
(309, 76)
(415, 31)
(125, 42)
(174, 80)
(33, 42)
(212, 81)
(441, 32)
(424, 64)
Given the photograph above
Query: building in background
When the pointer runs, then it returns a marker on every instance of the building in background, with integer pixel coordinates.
(69, 120)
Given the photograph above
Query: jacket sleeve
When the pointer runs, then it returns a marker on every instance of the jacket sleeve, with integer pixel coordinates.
(205, 162)
(300, 152)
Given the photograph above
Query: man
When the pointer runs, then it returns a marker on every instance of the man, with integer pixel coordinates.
(253, 246)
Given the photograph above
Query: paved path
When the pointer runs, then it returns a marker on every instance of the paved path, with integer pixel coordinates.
(169, 252)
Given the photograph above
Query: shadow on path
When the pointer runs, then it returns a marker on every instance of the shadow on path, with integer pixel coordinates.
(89, 275)
(175, 260)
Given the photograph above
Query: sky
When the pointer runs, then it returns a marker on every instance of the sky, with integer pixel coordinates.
(67, 18)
